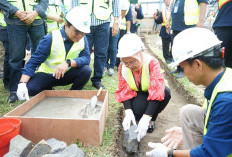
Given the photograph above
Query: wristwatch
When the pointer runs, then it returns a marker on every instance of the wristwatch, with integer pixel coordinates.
(68, 61)
(170, 153)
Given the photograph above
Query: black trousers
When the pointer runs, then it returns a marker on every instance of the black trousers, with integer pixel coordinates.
(140, 104)
(167, 48)
(78, 77)
(225, 35)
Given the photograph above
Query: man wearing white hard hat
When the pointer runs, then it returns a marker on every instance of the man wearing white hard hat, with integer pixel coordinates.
(62, 58)
(205, 131)
(141, 86)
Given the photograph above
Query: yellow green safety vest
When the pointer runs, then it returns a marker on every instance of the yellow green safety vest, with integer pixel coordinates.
(58, 53)
(224, 85)
(222, 2)
(123, 22)
(145, 76)
(24, 5)
(164, 16)
(2, 22)
(53, 9)
(191, 12)
(101, 9)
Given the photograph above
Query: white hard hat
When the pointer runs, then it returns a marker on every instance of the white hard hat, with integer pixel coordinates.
(79, 18)
(129, 45)
(193, 42)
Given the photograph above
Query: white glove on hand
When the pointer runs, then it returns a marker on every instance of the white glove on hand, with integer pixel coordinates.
(22, 91)
(143, 126)
(129, 116)
(173, 138)
(159, 150)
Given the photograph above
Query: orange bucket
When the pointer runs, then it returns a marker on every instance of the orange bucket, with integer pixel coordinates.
(9, 128)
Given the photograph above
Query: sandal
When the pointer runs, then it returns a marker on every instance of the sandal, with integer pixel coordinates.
(151, 128)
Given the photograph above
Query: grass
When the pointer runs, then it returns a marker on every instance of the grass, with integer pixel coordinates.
(108, 144)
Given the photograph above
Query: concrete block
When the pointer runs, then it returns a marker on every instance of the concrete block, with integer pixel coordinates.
(130, 143)
(72, 151)
(40, 149)
(56, 145)
(20, 145)
(12, 154)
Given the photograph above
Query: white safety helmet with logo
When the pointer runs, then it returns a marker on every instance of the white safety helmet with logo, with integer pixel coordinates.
(79, 18)
(194, 42)
(129, 45)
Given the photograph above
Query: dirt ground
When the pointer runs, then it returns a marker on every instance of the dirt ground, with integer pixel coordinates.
(168, 118)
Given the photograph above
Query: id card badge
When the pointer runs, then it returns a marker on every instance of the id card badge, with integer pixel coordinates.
(176, 7)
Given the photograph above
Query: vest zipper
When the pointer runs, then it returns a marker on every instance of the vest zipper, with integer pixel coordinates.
(24, 5)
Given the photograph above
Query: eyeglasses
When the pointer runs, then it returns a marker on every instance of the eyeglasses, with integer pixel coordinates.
(133, 62)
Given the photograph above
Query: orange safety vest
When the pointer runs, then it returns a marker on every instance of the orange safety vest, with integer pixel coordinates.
(222, 2)
(164, 16)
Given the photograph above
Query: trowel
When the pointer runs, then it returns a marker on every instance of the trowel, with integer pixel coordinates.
(93, 100)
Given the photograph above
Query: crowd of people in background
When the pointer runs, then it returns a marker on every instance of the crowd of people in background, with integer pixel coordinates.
(24, 25)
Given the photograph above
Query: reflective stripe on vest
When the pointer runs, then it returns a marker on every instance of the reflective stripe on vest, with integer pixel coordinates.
(164, 16)
(123, 22)
(102, 9)
(224, 85)
(24, 5)
(2, 22)
(222, 2)
(145, 76)
(58, 53)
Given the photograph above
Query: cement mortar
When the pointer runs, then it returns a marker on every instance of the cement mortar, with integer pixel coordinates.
(62, 107)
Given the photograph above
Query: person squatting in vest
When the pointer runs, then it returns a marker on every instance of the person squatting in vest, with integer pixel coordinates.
(62, 56)
(141, 86)
(205, 131)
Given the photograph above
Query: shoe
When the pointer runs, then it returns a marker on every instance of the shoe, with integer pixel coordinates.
(168, 61)
(151, 128)
(111, 72)
(180, 74)
(12, 98)
(98, 85)
(104, 71)
(174, 71)
(1, 75)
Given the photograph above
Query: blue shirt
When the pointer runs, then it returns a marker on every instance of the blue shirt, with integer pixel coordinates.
(224, 17)
(178, 23)
(96, 22)
(218, 139)
(43, 51)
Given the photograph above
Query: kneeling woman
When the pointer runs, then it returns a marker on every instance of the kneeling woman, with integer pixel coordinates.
(141, 86)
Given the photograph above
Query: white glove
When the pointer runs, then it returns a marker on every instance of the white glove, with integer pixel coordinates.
(173, 138)
(129, 116)
(143, 126)
(22, 91)
(159, 150)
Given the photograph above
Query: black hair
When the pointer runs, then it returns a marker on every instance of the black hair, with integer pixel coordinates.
(68, 23)
(213, 62)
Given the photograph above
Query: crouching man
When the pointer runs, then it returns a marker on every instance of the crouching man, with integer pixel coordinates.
(62, 58)
(205, 131)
